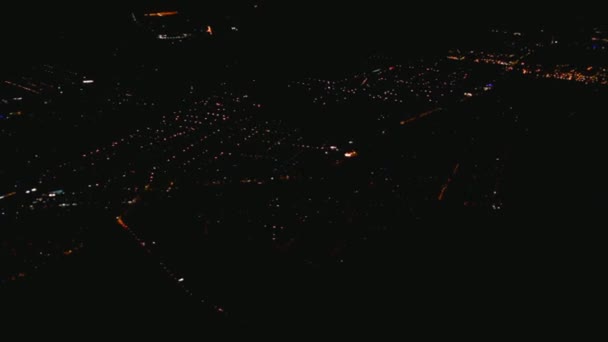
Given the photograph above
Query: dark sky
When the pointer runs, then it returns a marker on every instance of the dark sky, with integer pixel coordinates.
(429, 16)
(29, 28)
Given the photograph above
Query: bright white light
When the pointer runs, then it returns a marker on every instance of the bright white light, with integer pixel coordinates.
(88, 81)
(180, 280)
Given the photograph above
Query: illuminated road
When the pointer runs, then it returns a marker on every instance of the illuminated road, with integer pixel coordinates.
(10, 194)
(162, 14)
(177, 279)
(420, 116)
(445, 186)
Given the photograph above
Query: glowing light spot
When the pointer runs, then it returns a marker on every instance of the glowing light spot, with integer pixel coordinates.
(351, 154)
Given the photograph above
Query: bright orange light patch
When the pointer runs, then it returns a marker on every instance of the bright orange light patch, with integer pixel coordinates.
(162, 14)
(121, 222)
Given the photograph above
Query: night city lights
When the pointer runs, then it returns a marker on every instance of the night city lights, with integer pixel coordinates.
(252, 166)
